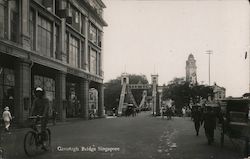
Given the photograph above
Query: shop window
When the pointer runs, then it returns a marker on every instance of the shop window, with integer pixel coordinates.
(9, 78)
(48, 84)
(38, 81)
(7, 83)
(73, 105)
(44, 38)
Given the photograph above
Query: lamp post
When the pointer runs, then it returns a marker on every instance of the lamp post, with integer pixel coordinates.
(209, 52)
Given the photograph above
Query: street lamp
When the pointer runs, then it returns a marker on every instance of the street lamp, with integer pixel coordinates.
(209, 52)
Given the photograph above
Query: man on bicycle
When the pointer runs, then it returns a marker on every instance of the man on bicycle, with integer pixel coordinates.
(40, 107)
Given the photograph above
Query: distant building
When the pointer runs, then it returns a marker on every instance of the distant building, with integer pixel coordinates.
(191, 75)
(219, 92)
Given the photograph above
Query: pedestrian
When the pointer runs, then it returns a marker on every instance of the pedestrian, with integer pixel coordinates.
(183, 112)
(209, 120)
(54, 115)
(7, 118)
(40, 107)
(115, 111)
(162, 113)
(197, 118)
(95, 113)
(169, 113)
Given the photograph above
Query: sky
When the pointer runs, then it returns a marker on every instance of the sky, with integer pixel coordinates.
(156, 36)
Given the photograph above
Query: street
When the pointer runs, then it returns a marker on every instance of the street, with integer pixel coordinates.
(142, 136)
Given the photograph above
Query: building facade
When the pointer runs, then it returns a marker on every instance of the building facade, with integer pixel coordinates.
(53, 44)
(191, 68)
(219, 92)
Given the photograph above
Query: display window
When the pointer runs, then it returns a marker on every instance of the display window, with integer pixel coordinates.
(7, 83)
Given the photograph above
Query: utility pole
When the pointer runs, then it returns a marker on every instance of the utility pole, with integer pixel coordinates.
(209, 52)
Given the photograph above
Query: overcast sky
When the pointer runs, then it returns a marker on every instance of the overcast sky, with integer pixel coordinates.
(147, 37)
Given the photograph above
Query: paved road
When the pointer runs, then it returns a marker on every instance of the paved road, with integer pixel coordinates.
(141, 137)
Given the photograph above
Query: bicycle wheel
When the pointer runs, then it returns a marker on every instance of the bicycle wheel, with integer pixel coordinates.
(47, 142)
(2, 153)
(30, 145)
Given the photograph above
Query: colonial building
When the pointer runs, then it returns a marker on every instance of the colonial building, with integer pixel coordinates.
(191, 75)
(54, 44)
(219, 92)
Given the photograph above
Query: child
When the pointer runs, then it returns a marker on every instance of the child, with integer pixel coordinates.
(7, 118)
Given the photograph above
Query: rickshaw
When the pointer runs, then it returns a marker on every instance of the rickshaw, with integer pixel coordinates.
(234, 113)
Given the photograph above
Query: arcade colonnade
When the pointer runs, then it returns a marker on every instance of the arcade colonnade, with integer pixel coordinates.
(69, 95)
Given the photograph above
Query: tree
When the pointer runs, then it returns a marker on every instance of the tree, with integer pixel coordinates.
(113, 90)
(181, 92)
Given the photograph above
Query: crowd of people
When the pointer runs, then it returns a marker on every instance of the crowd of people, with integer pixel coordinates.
(207, 117)
(131, 111)
(204, 116)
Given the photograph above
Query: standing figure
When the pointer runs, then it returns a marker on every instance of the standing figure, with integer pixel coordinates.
(209, 124)
(7, 118)
(197, 118)
(169, 113)
(40, 107)
(54, 116)
(183, 110)
(162, 112)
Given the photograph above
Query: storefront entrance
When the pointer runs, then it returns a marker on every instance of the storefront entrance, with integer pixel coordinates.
(7, 83)
(73, 100)
(48, 84)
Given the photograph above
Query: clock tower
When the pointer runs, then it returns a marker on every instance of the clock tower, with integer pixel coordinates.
(191, 75)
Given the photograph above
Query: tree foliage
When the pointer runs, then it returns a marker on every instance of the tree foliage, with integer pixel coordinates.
(181, 92)
(113, 90)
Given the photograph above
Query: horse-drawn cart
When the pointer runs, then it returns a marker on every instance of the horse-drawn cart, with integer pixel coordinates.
(234, 115)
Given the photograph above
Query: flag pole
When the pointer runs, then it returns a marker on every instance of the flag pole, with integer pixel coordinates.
(246, 56)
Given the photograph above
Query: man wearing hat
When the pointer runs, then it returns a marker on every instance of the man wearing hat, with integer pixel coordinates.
(209, 124)
(40, 107)
(7, 118)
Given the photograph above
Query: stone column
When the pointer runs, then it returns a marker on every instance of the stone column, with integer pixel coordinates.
(84, 98)
(61, 95)
(86, 57)
(101, 100)
(25, 37)
(22, 90)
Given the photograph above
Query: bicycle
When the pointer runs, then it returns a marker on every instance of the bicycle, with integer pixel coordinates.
(34, 139)
(2, 150)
